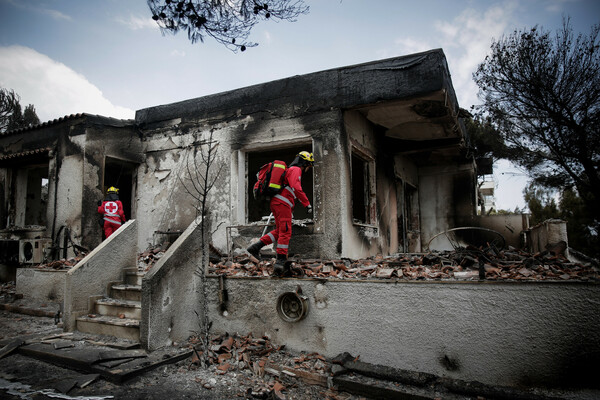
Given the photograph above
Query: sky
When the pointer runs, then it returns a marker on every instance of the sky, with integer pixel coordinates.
(108, 57)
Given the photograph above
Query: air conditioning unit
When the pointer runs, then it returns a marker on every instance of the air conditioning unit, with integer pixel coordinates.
(32, 251)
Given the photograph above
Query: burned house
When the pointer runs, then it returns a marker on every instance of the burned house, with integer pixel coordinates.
(392, 168)
(392, 171)
(52, 176)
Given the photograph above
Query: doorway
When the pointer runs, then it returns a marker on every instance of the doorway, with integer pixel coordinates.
(122, 175)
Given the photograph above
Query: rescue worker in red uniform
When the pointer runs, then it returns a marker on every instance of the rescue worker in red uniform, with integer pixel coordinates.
(112, 211)
(282, 206)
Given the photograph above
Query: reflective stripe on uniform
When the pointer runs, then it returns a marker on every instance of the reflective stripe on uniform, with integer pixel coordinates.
(112, 220)
(280, 197)
(291, 190)
(270, 235)
(282, 246)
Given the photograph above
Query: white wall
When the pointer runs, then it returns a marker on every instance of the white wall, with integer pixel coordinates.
(92, 275)
(496, 333)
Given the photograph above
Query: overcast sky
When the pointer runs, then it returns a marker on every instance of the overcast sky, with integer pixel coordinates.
(108, 57)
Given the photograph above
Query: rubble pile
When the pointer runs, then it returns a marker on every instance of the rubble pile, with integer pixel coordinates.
(264, 369)
(145, 260)
(8, 292)
(148, 258)
(63, 263)
(469, 263)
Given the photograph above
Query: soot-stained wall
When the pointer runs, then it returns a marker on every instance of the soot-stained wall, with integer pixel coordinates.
(313, 111)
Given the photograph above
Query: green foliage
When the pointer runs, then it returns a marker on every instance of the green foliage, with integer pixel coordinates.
(516, 211)
(227, 22)
(484, 139)
(541, 94)
(541, 204)
(582, 230)
(11, 116)
(30, 117)
(9, 101)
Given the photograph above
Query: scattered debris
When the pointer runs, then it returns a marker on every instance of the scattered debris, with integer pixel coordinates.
(470, 263)
(63, 345)
(148, 258)
(269, 369)
(379, 381)
(10, 347)
(63, 263)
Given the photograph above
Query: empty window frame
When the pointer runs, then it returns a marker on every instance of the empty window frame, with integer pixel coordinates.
(30, 196)
(37, 196)
(408, 216)
(363, 188)
(258, 208)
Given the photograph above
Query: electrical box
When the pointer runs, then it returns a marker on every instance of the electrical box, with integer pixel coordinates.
(33, 251)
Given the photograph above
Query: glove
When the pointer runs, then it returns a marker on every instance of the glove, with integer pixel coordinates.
(309, 209)
(99, 203)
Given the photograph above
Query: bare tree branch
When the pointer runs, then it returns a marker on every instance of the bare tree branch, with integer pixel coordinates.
(229, 22)
(198, 183)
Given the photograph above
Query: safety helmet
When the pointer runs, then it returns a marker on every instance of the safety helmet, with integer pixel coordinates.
(112, 189)
(307, 157)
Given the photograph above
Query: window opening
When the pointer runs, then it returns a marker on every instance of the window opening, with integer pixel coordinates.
(408, 219)
(36, 200)
(360, 190)
(257, 209)
(26, 190)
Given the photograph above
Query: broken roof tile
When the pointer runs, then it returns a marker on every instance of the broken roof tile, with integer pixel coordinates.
(460, 264)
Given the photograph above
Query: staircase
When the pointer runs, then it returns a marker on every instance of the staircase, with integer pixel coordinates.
(118, 315)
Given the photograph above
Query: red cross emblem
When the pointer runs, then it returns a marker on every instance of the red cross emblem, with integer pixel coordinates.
(111, 207)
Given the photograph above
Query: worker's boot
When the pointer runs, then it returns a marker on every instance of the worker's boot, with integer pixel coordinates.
(279, 267)
(287, 269)
(254, 250)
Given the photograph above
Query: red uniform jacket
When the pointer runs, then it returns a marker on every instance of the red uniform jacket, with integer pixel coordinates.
(292, 188)
(112, 210)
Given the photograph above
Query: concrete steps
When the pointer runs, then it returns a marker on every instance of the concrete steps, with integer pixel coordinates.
(118, 315)
(131, 309)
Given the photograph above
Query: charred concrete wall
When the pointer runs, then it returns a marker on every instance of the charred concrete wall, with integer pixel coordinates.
(378, 232)
(511, 227)
(446, 200)
(171, 291)
(513, 334)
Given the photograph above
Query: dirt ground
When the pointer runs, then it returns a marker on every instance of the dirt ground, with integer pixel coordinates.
(26, 378)
(23, 377)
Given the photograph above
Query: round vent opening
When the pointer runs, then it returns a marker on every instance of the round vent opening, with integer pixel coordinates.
(292, 307)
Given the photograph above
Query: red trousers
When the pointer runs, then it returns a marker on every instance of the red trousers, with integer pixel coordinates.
(283, 227)
(110, 228)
